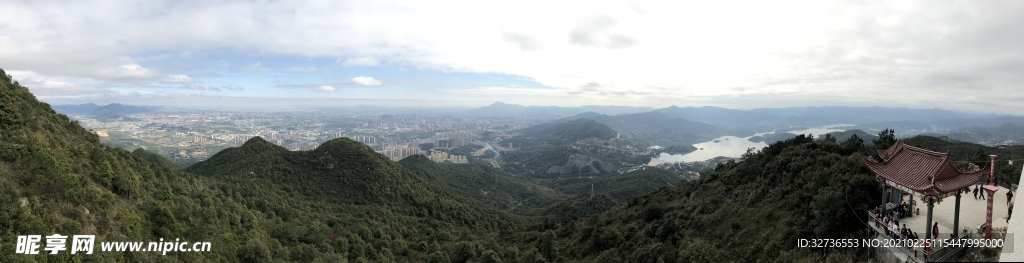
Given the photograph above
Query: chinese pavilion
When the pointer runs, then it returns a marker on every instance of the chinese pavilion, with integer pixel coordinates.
(916, 170)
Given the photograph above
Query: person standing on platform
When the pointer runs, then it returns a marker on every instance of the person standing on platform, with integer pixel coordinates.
(935, 230)
(981, 193)
(975, 192)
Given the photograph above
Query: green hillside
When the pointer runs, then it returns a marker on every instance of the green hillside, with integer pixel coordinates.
(573, 130)
(653, 127)
(484, 183)
(621, 187)
(845, 135)
(255, 203)
(742, 211)
(56, 178)
(577, 147)
(154, 158)
(593, 195)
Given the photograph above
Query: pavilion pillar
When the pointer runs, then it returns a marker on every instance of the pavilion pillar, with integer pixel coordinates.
(956, 216)
(928, 226)
(910, 204)
(885, 196)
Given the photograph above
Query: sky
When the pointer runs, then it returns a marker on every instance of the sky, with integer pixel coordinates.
(961, 55)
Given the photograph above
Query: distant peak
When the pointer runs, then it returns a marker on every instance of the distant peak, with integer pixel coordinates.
(498, 103)
(255, 140)
(344, 144)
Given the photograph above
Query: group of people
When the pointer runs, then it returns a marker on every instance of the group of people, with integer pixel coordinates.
(979, 193)
(902, 210)
(891, 220)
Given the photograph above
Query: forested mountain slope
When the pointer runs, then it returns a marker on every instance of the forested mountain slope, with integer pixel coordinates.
(255, 203)
(573, 130)
(481, 182)
(742, 211)
(56, 178)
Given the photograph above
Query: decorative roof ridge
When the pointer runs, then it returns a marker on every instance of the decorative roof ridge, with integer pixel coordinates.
(926, 151)
(887, 154)
(942, 165)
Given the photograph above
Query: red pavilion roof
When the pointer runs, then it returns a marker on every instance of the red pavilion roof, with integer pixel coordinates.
(921, 170)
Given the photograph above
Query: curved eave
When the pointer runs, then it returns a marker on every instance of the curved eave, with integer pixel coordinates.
(924, 184)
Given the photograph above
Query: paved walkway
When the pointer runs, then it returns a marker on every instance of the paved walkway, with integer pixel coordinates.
(972, 213)
(1016, 229)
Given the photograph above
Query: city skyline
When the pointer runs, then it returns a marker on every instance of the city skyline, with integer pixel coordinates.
(281, 55)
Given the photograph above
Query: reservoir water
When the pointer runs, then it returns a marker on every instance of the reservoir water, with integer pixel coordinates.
(822, 129)
(732, 146)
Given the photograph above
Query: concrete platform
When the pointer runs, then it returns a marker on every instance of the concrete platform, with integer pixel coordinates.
(1016, 229)
(972, 213)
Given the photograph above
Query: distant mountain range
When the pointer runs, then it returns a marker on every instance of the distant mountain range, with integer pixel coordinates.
(499, 109)
(687, 125)
(109, 112)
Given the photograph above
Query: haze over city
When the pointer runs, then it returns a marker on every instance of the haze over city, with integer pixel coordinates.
(952, 55)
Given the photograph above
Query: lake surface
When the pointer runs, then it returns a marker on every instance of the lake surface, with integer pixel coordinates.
(732, 146)
(822, 129)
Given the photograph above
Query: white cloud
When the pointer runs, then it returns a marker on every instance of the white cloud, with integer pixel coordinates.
(300, 68)
(324, 88)
(366, 81)
(201, 87)
(360, 61)
(175, 79)
(512, 90)
(44, 86)
(254, 67)
(128, 71)
(876, 51)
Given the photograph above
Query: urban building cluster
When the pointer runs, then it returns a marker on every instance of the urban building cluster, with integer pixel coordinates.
(440, 157)
(400, 153)
(396, 133)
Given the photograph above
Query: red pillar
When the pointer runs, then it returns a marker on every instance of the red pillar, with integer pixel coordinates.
(991, 190)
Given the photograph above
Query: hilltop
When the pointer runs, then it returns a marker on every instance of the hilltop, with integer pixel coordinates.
(343, 171)
(573, 130)
(655, 127)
